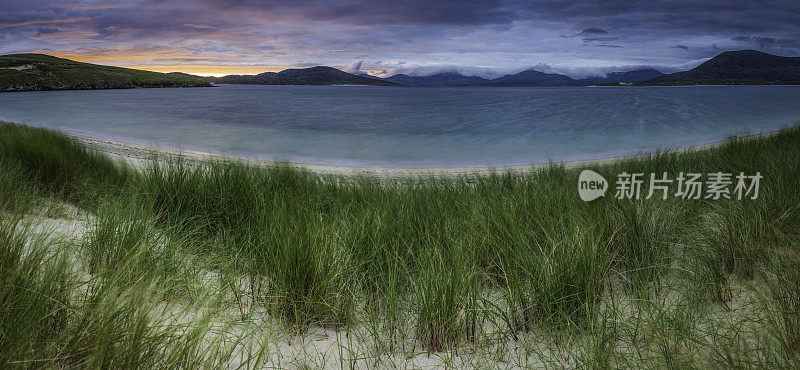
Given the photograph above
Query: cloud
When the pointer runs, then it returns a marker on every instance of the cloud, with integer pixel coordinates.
(487, 35)
(9, 19)
(593, 31)
(766, 42)
(381, 12)
(199, 26)
(595, 36)
(355, 67)
(386, 70)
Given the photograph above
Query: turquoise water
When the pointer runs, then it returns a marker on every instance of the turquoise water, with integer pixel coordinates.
(413, 127)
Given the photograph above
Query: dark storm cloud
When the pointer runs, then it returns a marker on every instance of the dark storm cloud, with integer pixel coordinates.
(9, 18)
(593, 31)
(768, 42)
(597, 37)
(383, 33)
(702, 16)
(708, 15)
(439, 12)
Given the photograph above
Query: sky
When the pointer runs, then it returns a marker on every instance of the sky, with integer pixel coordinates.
(381, 37)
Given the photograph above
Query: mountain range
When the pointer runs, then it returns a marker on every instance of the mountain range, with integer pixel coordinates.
(319, 75)
(20, 72)
(730, 67)
(439, 79)
(524, 78)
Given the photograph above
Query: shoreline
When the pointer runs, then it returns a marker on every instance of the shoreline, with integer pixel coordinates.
(139, 155)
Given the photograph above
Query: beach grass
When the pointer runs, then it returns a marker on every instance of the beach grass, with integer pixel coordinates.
(451, 266)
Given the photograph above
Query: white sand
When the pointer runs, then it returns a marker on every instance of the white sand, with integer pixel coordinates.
(140, 155)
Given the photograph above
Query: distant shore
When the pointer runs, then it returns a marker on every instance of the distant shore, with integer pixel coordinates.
(140, 156)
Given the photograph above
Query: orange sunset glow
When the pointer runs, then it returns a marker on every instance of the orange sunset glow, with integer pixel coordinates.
(210, 70)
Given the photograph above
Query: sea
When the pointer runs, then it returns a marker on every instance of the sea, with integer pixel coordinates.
(405, 127)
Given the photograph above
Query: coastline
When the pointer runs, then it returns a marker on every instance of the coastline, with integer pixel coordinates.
(139, 155)
(35, 88)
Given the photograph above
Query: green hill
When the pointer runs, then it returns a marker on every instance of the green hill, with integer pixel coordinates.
(25, 72)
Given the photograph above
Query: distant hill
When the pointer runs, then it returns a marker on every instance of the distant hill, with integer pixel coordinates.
(534, 78)
(525, 78)
(439, 79)
(623, 77)
(319, 75)
(745, 67)
(24, 72)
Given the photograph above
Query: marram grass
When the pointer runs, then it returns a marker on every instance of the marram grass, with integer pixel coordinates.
(440, 264)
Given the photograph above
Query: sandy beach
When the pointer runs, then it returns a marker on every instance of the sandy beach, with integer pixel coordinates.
(140, 155)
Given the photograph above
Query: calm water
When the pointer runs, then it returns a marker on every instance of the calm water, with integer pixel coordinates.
(413, 127)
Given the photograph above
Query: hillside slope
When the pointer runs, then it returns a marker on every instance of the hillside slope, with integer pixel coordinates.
(745, 67)
(25, 72)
